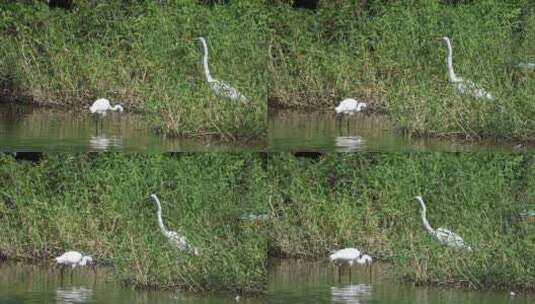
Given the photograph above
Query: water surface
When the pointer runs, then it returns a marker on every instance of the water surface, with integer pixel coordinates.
(289, 281)
(26, 284)
(322, 131)
(31, 128)
(307, 282)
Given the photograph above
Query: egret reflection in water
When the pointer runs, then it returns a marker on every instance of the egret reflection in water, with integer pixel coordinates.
(34, 128)
(73, 295)
(349, 143)
(102, 142)
(351, 294)
(320, 131)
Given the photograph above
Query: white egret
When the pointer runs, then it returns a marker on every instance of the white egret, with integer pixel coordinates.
(345, 256)
(348, 256)
(219, 88)
(442, 235)
(178, 241)
(73, 259)
(463, 86)
(350, 106)
(102, 105)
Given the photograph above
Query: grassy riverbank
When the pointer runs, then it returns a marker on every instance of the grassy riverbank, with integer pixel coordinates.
(391, 56)
(144, 56)
(98, 204)
(367, 201)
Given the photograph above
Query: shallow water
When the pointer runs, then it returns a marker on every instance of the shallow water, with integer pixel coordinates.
(317, 282)
(36, 284)
(289, 281)
(31, 128)
(321, 131)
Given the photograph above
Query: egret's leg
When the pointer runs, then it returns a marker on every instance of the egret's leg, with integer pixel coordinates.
(100, 125)
(338, 121)
(61, 269)
(72, 270)
(94, 274)
(96, 125)
(349, 274)
(370, 267)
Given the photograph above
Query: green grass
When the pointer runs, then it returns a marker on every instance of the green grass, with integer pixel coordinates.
(144, 56)
(367, 201)
(390, 55)
(98, 204)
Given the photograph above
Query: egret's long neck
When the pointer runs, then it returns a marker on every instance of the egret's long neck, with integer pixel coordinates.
(449, 61)
(116, 107)
(159, 214)
(424, 217)
(205, 62)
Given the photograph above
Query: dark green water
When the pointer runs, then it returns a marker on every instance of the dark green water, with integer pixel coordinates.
(289, 282)
(30, 128)
(21, 284)
(299, 282)
(321, 131)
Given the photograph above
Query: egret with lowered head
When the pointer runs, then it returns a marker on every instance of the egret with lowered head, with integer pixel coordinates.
(102, 105)
(350, 106)
(348, 256)
(73, 259)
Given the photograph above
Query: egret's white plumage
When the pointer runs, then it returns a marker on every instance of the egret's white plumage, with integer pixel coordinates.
(350, 106)
(463, 86)
(73, 259)
(102, 105)
(178, 241)
(218, 87)
(525, 65)
(345, 256)
(444, 236)
(254, 217)
(348, 256)
(364, 259)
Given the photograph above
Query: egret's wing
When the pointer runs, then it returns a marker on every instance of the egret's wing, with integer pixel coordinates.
(181, 243)
(461, 87)
(472, 88)
(222, 89)
(450, 237)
